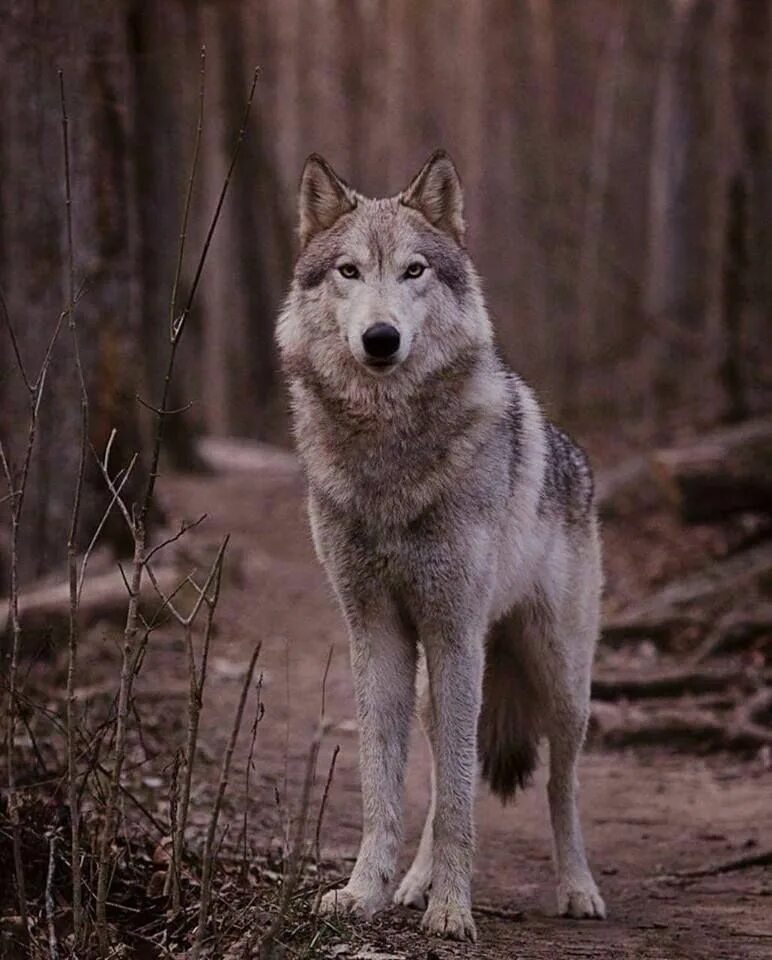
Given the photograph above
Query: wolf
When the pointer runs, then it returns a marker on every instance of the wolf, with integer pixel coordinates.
(457, 527)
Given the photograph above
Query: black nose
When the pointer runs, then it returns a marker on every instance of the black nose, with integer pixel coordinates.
(381, 341)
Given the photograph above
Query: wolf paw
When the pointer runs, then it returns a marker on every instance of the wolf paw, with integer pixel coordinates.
(581, 900)
(450, 920)
(414, 889)
(347, 901)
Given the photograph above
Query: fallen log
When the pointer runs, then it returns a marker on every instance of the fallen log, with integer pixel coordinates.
(621, 630)
(673, 683)
(725, 472)
(239, 455)
(722, 578)
(736, 630)
(681, 726)
(44, 609)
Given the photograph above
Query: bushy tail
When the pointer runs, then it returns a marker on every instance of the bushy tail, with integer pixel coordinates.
(509, 730)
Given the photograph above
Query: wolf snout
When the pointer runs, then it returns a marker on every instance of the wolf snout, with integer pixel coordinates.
(380, 342)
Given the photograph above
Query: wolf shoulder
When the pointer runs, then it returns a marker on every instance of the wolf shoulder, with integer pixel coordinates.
(547, 459)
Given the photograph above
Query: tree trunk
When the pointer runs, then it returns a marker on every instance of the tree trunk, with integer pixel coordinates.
(88, 41)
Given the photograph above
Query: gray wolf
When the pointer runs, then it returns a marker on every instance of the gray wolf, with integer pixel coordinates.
(457, 527)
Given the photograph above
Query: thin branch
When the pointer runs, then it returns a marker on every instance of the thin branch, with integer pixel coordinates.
(115, 497)
(17, 504)
(184, 527)
(164, 413)
(35, 388)
(166, 601)
(114, 492)
(53, 945)
(295, 863)
(188, 195)
(72, 563)
(197, 676)
(213, 576)
(122, 714)
(9, 496)
(180, 323)
(14, 342)
(133, 645)
(322, 807)
(259, 713)
(55, 336)
(206, 873)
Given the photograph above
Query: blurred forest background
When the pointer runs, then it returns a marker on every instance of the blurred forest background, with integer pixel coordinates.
(618, 187)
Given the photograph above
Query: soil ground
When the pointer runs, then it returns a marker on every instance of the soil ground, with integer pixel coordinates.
(646, 814)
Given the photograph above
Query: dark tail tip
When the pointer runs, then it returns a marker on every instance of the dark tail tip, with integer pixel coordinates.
(509, 768)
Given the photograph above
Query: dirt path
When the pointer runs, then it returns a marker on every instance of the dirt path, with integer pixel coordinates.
(644, 815)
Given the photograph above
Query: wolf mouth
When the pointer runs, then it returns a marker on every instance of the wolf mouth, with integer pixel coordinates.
(381, 365)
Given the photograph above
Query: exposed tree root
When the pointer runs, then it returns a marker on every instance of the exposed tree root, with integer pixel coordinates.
(723, 578)
(746, 862)
(692, 727)
(667, 684)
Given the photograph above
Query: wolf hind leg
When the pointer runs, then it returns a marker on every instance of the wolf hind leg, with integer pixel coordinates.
(413, 891)
(568, 646)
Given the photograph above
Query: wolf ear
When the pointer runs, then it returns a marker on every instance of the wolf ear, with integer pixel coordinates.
(436, 193)
(323, 198)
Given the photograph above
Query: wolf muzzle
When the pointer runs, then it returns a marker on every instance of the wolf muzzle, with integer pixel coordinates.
(380, 342)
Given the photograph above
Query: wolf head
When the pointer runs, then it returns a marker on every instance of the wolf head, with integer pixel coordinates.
(383, 290)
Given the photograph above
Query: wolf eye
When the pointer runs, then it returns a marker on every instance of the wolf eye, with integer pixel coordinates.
(349, 271)
(414, 270)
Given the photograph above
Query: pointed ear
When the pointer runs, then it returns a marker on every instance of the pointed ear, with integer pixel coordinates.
(323, 198)
(436, 193)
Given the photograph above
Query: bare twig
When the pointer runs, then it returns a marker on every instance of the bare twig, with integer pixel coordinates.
(322, 807)
(17, 491)
(173, 873)
(15, 343)
(197, 677)
(188, 195)
(259, 711)
(115, 497)
(53, 945)
(115, 492)
(294, 868)
(168, 413)
(179, 324)
(129, 656)
(206, 872)
(133, 645)
(17, 488)
(72, 564)
(184, 527)
(213, 577)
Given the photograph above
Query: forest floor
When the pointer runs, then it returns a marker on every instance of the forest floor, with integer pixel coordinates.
(648, 812)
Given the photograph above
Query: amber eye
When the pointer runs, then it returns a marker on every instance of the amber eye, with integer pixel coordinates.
(349, 271)
(415, 270)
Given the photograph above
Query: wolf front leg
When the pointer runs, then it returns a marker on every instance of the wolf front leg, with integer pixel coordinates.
(414, 888)
(383, 662)
(455, 665)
